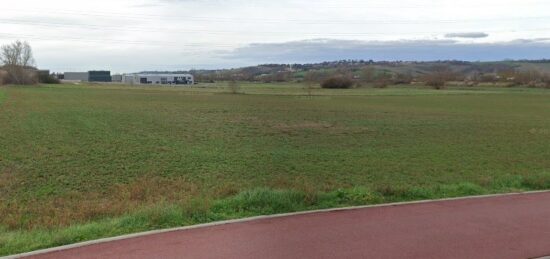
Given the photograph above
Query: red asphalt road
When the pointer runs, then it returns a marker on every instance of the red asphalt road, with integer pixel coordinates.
(515, 226)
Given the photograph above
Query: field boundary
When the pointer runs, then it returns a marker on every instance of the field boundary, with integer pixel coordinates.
(263, 217)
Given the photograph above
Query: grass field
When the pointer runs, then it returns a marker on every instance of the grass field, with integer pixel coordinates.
(83, 162)
(2, 96)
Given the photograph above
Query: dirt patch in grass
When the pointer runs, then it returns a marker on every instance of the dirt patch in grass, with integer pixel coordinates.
(539, 131)
(7, 178)
(304, 125)
(318, 127)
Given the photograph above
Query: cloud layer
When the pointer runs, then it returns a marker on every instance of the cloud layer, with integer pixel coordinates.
(422, 50)
(133, 35)
(472, 35)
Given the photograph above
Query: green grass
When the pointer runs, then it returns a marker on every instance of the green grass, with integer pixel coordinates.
(2, 96)
(82, 162)
(249, 203)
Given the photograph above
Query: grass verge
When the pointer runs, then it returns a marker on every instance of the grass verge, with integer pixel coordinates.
(262, 201)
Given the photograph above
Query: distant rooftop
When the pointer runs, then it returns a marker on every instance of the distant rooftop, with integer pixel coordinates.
(152, 74)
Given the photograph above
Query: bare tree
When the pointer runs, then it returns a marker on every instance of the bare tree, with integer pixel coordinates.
(233, 86)
(309, 81)
(439, 76)
(3, 76)
(18, 61)
(368, 75)
(337, 82)
(382, 79)
(378, 78)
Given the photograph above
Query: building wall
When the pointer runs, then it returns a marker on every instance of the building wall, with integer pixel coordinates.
(159, 79)
(99, 76)
(116, 78)
(129, 79)
(44, 73)
(76, 76)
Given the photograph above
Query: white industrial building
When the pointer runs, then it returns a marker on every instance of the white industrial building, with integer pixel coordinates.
(77, 76)
(117, 78)
(158, 79)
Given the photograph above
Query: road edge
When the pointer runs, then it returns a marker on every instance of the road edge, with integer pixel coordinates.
(244, 220)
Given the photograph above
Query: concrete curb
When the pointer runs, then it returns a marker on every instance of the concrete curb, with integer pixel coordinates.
(154, 232)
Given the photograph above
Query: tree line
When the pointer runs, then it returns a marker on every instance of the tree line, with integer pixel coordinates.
(18, 65)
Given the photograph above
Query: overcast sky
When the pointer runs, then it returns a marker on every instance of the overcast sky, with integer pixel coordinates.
(135, 35)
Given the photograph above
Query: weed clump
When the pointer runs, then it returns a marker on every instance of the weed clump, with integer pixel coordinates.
(357, 196)
(262, 201)
(537, 182)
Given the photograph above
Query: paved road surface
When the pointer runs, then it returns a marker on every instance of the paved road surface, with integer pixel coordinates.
(515, 226)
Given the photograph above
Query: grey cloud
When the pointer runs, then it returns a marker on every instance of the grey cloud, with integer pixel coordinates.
(189, 1)
(473, 35)
(527, 41)
(422, 50)
(46, 18)
(306, 51)
(147, 5)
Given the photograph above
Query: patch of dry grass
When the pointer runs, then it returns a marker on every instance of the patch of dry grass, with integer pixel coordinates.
(78, 207)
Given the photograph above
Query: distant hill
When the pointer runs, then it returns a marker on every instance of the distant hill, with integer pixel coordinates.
(286, 72)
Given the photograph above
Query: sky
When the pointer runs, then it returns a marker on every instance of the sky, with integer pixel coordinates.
(167, 35)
